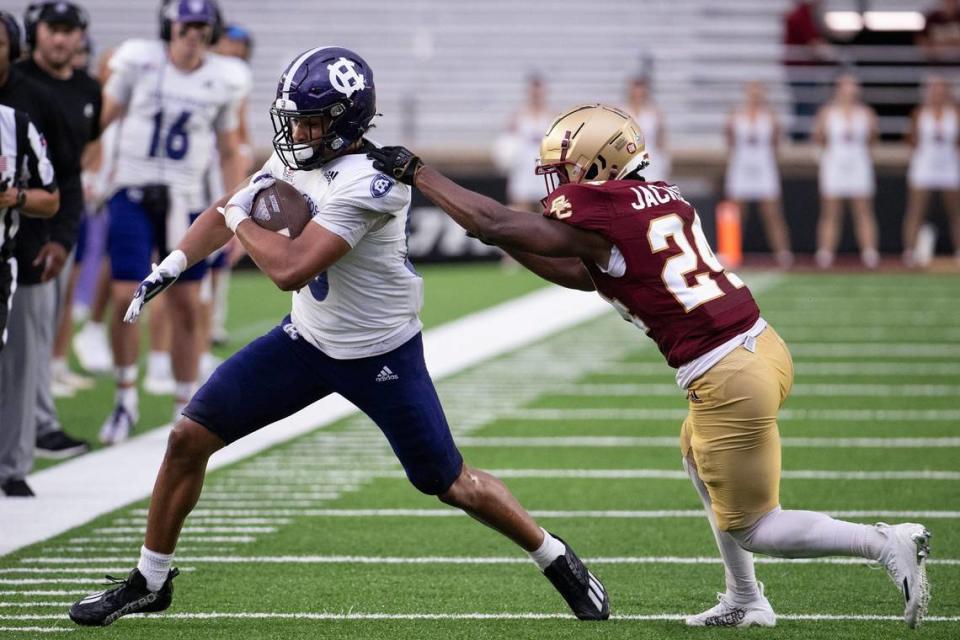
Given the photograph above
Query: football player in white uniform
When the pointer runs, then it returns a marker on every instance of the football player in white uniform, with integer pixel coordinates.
(169, 97)
(354, 330)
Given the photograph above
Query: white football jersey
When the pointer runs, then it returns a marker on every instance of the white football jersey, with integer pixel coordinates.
(166, 134)
(368, 302)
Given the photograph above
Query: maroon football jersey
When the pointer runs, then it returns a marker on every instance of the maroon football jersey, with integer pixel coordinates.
(674, 287)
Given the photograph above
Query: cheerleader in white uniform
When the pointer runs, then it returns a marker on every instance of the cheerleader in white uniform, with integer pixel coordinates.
(935, 165)
(648, 116)
(845, 127)
(752, 175)
(516, 151)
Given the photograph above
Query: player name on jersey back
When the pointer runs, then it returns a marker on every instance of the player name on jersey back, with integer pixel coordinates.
(673, 287)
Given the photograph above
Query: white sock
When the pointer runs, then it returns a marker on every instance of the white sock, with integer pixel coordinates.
(128, 397)
(550, 550)
(808, 534)
(158, 364)
(154, 567)
(182, 392)
(125, 375)
(740, 578)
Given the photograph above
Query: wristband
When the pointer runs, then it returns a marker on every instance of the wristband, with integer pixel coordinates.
(233, 215)
(174, 264)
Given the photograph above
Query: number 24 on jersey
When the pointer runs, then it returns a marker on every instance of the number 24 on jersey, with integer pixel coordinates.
(676, 268)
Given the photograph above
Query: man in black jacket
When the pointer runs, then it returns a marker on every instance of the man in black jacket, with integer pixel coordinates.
(27, 186)
(54, 33)
(38, 261)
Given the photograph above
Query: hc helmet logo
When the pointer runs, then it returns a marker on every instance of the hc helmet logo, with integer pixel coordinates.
(344, 77)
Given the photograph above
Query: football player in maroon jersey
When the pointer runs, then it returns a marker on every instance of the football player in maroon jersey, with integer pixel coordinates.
(641, 246)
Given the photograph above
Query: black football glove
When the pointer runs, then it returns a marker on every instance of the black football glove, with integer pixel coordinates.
(398, 162)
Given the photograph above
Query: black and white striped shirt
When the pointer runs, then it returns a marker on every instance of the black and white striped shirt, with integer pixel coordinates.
(23, 164)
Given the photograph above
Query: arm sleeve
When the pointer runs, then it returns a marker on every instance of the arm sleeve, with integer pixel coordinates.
(361, 205)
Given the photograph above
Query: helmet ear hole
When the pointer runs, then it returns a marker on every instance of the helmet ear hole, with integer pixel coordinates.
(592, 172)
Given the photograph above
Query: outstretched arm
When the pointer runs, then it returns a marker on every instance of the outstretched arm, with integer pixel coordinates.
(566, 272)
(497, 224)
(208, 233)
(549, 248)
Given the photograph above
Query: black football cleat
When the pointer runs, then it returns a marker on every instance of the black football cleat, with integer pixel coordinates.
(580, 588)
(129, 596)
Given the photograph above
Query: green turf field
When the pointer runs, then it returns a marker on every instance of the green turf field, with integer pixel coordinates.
(323, 538)
(256, 306)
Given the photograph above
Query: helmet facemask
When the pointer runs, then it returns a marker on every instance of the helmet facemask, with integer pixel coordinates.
(307, 154)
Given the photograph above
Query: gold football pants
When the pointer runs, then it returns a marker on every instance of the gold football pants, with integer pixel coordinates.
(731, 431)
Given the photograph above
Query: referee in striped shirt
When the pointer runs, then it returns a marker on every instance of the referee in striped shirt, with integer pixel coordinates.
(28, 187)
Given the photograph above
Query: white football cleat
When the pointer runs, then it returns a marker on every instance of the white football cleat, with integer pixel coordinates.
(159, 386)
(118, 425)
(92, 348)
(728, 614)
(904, 557)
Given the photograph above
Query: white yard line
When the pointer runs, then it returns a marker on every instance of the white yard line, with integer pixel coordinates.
(812, 332)
(121, 548)
(811, 368)
(190, 539)
(75, 492)
(937, 350)
(24, 581)
(573, 513)
(45, 592)
(304, 472)
(668, 474)
(39, 570)
(189, 530)
(38, 629)
(418, 560)
(837, 415)
(839, 389)
(356, 615)
(673, 441)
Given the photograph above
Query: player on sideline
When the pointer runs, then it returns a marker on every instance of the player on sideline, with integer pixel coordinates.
(642, 247)
(170, 95)
(354, 330)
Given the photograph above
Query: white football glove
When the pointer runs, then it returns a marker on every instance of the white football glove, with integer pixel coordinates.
(162, 276)
(239, 205)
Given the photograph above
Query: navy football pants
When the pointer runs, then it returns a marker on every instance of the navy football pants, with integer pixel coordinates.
(281, 373)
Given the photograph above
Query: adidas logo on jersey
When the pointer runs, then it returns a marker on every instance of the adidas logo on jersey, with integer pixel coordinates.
(330, 175)
(386, 375)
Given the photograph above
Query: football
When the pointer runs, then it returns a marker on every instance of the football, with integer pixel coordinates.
(281, 208)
